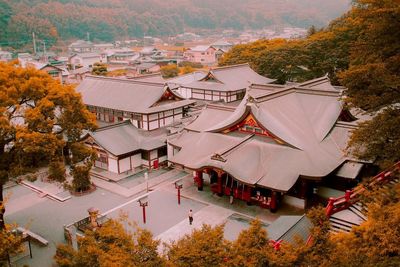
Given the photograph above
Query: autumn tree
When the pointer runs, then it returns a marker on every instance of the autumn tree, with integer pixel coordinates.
(99, 69)
(39, 117)
(10, 244)
(251, 248)
(111, 245)
(373, 78)
(203, 247)
(169, 71)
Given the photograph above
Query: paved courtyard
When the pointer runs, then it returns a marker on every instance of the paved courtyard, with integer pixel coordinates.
(165, 218)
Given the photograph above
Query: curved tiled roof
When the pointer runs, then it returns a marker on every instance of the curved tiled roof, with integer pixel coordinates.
(304, 118)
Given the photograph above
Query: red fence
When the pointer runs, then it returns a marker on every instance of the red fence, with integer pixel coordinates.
(351, 196)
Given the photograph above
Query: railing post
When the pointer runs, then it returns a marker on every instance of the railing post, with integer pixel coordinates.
(329, 207)
(347, 195)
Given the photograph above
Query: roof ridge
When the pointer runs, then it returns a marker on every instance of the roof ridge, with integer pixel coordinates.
(145, 75)
(241, 142)
(114, 125)
(231, 66)
(213, 106)
(124, 80)
(305, 83)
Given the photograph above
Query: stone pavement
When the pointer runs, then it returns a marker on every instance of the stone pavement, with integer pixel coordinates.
(141, 188)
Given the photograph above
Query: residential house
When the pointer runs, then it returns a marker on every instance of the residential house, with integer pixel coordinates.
(81, 46)
(5, 56)
(147, 67)
(223, 45)
(103, 47)
(201, 54)
(56, 72)
(86, 60)
(122, 56)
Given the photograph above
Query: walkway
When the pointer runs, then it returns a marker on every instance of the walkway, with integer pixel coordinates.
(128, 192)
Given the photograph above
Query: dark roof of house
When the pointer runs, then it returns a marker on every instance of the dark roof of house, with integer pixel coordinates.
(122, 138)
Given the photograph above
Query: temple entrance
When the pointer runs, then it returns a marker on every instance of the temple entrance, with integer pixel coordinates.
(221, 183)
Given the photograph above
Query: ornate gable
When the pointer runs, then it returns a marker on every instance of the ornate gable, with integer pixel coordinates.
(250, 125)
(168, 96)
(210, 78)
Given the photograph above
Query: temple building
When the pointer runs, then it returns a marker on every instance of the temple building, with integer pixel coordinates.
(278, 145)
(148, 105)
(226, 84)
(122, 147)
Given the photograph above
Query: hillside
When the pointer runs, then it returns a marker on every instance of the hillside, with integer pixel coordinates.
(107, 20)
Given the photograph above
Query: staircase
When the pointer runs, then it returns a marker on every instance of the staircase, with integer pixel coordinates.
(345, 212)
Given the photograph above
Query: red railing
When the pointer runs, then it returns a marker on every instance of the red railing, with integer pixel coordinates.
(352, 196)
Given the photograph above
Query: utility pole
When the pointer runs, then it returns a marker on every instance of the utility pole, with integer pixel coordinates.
(34, 43)
(44, 51)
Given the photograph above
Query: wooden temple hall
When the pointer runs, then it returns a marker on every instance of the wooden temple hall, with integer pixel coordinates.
(276, 146)
(148, 105)
(225, 84)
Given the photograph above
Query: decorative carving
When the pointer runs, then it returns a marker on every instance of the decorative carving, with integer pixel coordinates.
(218, 157)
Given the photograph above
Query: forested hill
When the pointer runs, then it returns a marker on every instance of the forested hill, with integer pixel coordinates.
(110, 19)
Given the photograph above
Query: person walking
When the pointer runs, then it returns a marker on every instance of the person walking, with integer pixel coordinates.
(190, 217)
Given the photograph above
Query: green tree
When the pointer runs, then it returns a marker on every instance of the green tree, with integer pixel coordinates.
(169, 71)
(203, 247)
(38, 118)
(99, 69)
(111, 245)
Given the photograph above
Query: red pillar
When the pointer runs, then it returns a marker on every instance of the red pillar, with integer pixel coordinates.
(274, 204)
(144, 214)
(199, 175)
(219, 183)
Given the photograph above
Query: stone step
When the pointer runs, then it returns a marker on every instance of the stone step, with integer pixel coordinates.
(357, 212)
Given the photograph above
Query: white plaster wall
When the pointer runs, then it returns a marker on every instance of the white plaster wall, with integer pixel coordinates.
(135, 123)
(169, 120)
(153, 125)
(124, 164)
(112, 165)
(197, 96)
(136, 160)
(170, 152)
(162, 159)
(153, 116)
(208, 97)
(153, 154)
(145, 162)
